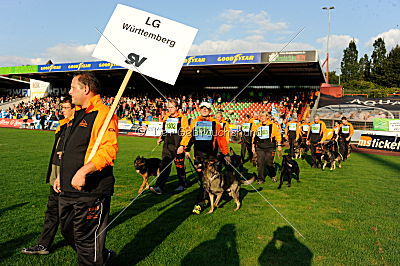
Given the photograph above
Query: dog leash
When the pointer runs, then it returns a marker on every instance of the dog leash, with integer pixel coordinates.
(153, 149)
(191, 163)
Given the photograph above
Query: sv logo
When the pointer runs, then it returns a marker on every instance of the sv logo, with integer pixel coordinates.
(135, 59)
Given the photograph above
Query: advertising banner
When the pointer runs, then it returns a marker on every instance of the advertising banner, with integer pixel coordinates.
(16, 123)
(385, 124)
(287, 57)
(18, 70)
(223, 59)
(380, 142)
(154, 129)
(357, 108)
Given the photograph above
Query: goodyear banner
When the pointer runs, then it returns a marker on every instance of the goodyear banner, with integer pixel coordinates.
(380, 142)
(200, 60)
(224, 59)
(97, 65)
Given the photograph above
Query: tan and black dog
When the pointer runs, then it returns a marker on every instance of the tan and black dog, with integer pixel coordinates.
(331, 155)
(147, 167)
(215, 183)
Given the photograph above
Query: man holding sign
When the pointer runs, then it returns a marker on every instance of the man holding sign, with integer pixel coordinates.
(86, 186)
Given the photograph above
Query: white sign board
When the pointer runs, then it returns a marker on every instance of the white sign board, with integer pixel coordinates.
(141, 41)
(394, 125)
(154, 129)
(38, 89)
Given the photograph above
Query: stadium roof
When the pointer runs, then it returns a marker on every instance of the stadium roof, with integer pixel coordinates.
(211, 71)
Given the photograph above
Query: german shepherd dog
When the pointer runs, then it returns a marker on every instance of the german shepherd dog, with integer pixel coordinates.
(146, 168)
(300, 148)
(331, 155)
(254, 159)
(215, 183)
(297, 150)
(290, 169)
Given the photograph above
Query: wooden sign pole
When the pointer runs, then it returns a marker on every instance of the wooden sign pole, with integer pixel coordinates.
(110, 115)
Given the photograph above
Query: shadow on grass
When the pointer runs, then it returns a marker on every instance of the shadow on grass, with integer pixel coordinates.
(154, 233)
(10, 247)
(220, 251)
(147, 200)
(285, 249)
(380, 159)
(60, 244)
(12, 207)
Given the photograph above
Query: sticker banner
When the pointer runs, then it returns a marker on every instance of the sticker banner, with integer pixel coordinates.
(380, 142)
(138, 40)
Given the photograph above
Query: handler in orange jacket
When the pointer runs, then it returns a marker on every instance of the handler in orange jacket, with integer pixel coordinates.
(207, 137)
(266, 136)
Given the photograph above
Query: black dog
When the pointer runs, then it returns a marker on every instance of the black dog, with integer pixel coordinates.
(236, 160)
(290, 169)
(331, 155)
(146, 168)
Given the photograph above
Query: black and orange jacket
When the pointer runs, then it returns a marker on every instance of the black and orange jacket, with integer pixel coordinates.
(246, 134)
(57, 146)
(254, 122)
(174, 135)
(274, 135)
(317, 131)
(226, 129)
(292, 134)
(346, 130)
(210, 147)
(80, 136)
(304, 129)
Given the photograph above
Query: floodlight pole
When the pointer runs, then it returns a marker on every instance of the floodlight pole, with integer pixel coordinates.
(327, 41)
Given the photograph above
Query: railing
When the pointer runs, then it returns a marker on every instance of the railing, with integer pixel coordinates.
(355, 94)
(361, 125)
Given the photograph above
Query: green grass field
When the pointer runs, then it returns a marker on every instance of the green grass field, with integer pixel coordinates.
(348, 217)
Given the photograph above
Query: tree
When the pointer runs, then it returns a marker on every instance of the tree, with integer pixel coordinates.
(392, 68)
(333, 77)
(378, 58)
(365, 68)
(349, 64)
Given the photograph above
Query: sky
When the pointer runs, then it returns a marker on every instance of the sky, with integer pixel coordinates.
(33, 31)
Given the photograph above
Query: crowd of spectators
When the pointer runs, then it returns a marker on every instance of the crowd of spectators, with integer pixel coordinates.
(139, 109)
(6, 99)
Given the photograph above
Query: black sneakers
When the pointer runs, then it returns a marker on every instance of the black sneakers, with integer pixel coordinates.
(36, 250)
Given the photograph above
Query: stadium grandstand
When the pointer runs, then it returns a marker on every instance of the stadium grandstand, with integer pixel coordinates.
(287, 86)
